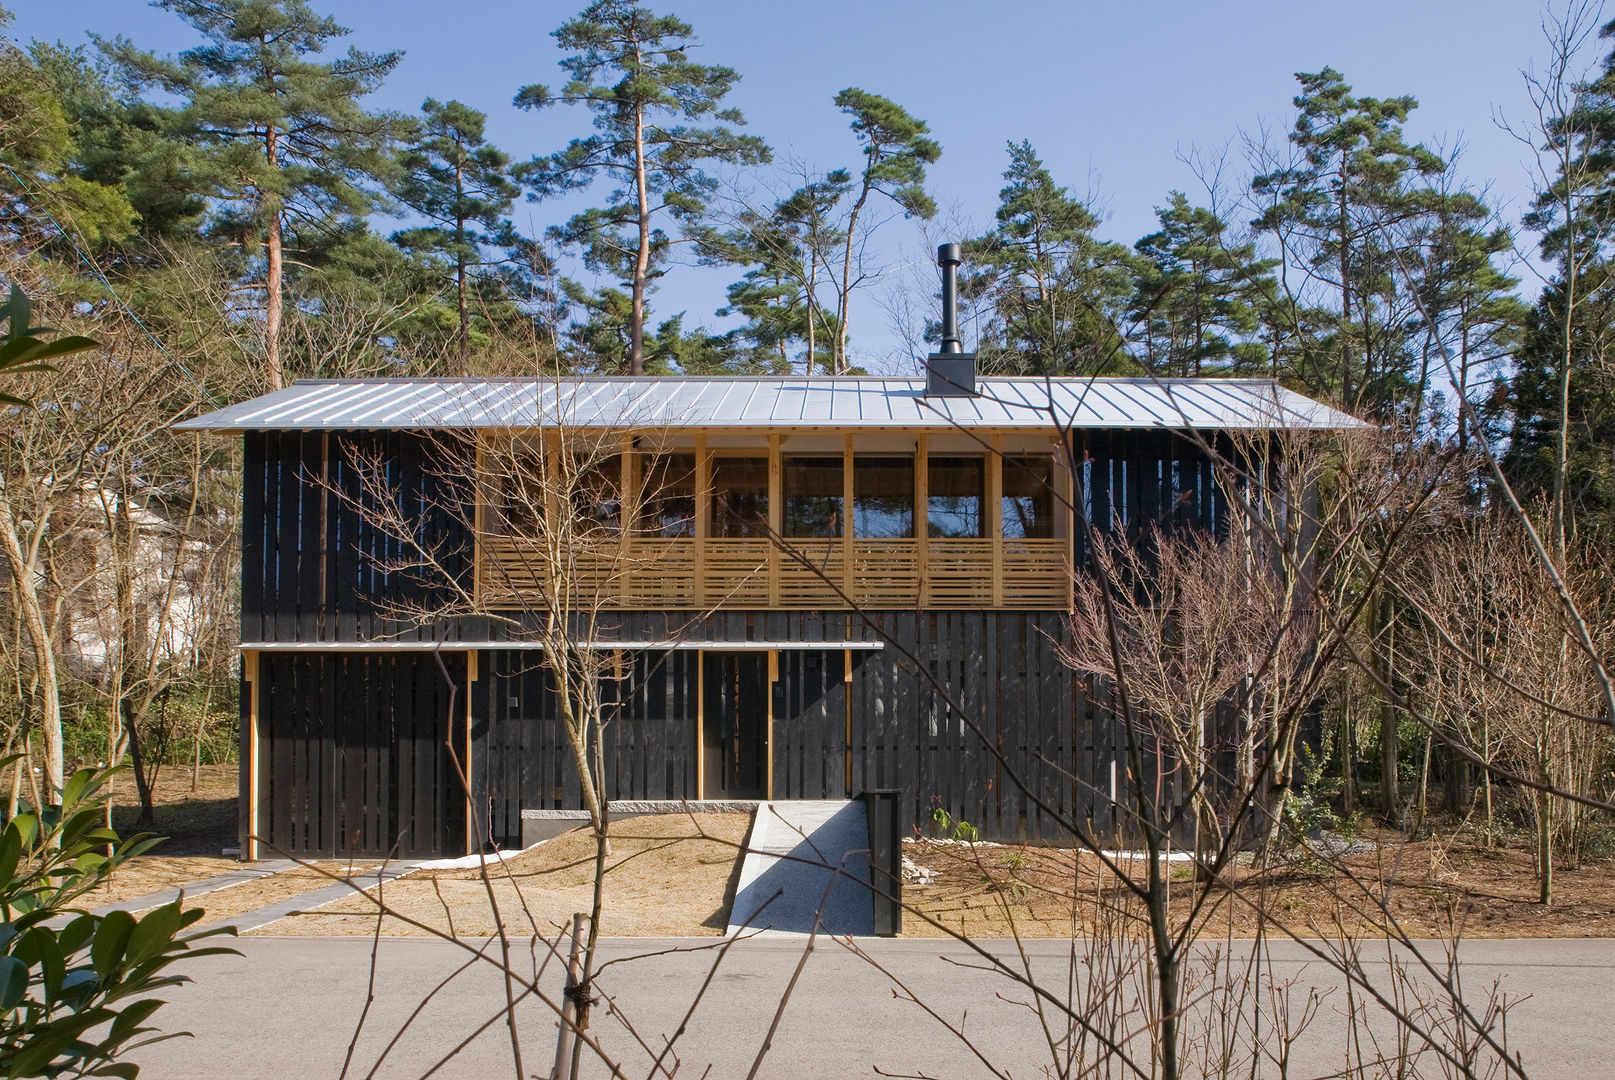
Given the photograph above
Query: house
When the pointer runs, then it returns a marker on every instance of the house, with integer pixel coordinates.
(818, 558)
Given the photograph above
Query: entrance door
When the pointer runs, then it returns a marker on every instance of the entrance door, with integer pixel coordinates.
(734, 754)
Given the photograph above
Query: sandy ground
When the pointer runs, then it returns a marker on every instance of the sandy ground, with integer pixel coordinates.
(663, 878)
(1429, 887)
(196, 826)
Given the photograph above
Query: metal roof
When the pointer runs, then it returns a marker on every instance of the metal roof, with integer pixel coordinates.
(770, 401)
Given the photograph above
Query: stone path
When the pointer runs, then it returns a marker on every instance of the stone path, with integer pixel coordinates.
(806, 859)
(194, 889)
(326, 894)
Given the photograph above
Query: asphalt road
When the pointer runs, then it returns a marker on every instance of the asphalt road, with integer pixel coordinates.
(290, 1007)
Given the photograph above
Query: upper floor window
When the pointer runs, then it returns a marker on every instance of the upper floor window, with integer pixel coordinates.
(813, 496)
(883, 497)
(595, 488)
(739, 498)
(667, 495)
(955, 491)
(1028, 497)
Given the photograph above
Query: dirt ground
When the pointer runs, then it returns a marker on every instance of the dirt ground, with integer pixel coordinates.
(1428, 887)
(197, 826)
(663, 878)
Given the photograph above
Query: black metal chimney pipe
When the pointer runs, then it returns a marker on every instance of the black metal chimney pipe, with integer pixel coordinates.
(948, 256)
(950, 372)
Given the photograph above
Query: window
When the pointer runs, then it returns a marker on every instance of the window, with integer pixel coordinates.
(955, 490)
(883, 497)
(1028, 500)
(667, 495)
(596, 496)
(813, 496)
(739, 498)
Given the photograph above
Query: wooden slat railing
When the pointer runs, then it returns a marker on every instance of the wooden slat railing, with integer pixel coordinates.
(657, 574)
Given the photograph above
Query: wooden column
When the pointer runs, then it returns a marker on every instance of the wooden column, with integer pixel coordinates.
(776, 516)
(922, 498)
(846, 679)
(627, 518)
(472, 839)
(703, 514)
(249, 672)
(700, 726)
(768, 742)
(479, 527)
(993, 524)
(849, 583)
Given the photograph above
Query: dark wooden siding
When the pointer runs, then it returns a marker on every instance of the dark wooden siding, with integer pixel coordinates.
(315, 563)
(353, 755)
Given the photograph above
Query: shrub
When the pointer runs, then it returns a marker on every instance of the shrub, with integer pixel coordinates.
(76, 989)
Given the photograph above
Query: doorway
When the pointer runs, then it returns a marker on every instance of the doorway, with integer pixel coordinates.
(734, 712)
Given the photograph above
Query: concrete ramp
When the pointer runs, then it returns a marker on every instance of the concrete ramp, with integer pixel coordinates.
(807, 861)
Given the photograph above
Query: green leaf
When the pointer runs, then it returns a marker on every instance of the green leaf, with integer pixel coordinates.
(13, 982)
(154, 932)
(111, 939)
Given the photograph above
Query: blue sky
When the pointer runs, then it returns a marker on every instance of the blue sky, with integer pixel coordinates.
(1111, 94)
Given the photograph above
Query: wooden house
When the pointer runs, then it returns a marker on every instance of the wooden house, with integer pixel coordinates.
(822, 555)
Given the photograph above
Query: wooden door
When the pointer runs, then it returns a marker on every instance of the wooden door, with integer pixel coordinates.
(734, 754)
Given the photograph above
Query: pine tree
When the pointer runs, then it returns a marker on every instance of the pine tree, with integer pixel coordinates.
(1197, 297)
(1055, 292)
(789, 247)
(896, 149)
(458, 181)
(630, 67)
(283, 142)
(41, 143)
(1336, 212)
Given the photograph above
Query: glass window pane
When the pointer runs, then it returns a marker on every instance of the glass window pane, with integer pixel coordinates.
(596, 497)
(955, 490)
(813, 496)
(667, 495)
(1028, 502)
(883, 497)
(739, 497)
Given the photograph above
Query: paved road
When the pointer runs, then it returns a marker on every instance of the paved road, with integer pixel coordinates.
(290, 1005)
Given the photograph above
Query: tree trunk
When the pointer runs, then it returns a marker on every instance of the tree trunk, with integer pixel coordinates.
(459, 273)
(273, 273)
(636, 321)
(25, 591)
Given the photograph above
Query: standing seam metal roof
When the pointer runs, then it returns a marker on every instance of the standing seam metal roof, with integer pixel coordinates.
(771, 401)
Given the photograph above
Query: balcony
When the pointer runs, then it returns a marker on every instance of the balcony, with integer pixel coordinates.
(726, 574)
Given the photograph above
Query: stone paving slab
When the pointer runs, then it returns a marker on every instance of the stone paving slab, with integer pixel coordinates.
(250, 872)
(326, 894)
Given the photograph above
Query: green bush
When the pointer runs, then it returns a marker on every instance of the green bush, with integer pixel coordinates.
(75, 988)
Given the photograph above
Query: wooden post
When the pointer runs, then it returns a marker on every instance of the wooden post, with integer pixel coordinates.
(994, 523)
(627, 522)
(700, 726)
(849, 580)
(846, 679)
(768, 741)
(922, 529)
(472, 840)
(703, 514)
(569, 1009)
(249, 671)
(776, 515)
(479, 548)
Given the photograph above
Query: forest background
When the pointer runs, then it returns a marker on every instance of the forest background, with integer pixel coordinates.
(228, 194)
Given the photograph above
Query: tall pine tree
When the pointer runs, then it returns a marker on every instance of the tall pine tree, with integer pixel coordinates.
(455, 179)
(284, 145)
(630, 67)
